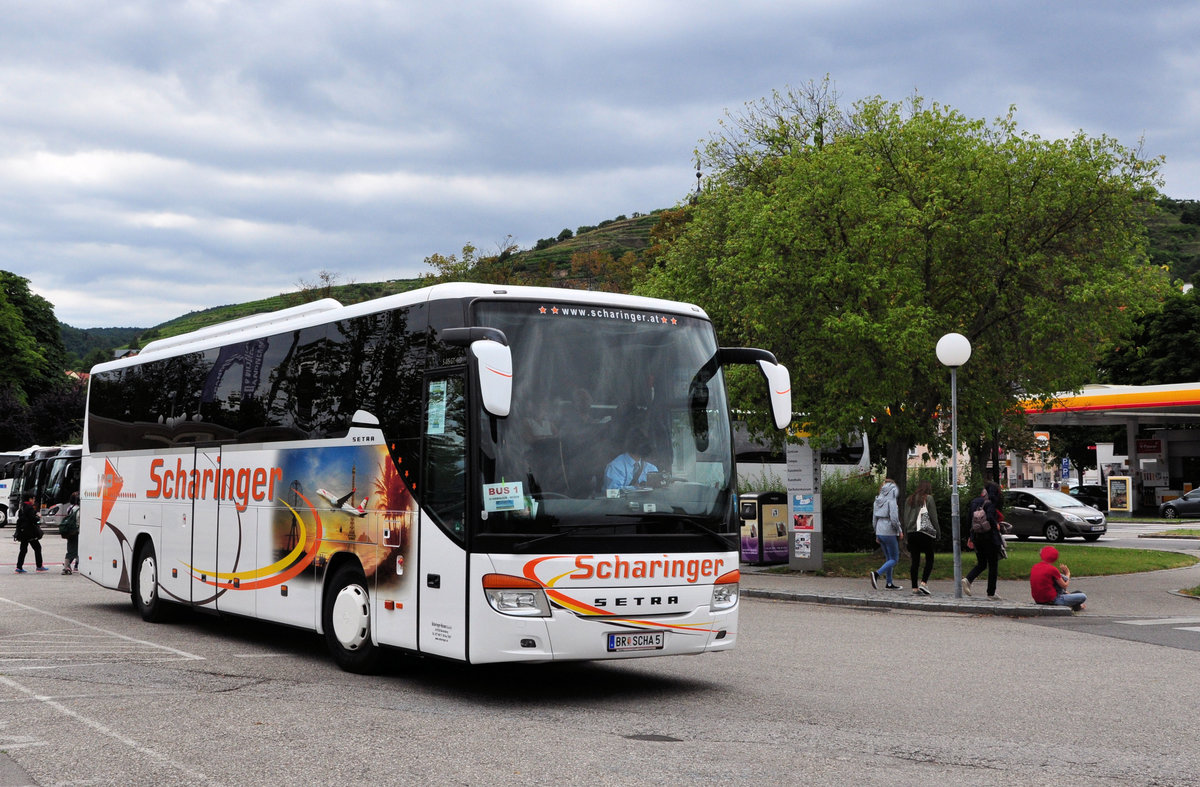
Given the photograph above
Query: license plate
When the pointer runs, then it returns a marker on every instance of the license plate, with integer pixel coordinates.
(642, 640)
(1098, 527)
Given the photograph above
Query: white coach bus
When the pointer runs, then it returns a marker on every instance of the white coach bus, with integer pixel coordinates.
(426, 472)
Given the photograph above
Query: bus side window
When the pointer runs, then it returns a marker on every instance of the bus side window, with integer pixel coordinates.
(445, 455)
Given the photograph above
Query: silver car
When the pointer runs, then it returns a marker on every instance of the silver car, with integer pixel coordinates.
(1051, 514)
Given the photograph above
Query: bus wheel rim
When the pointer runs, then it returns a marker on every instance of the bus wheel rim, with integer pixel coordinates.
(147, 577)
(351, 617)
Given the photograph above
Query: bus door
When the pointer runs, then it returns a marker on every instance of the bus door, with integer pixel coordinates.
(172, 513)
(228, 530)
(189, 567)
(442, 567)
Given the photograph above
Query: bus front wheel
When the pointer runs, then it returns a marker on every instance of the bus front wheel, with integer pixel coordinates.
(145, 586)
(346, 618)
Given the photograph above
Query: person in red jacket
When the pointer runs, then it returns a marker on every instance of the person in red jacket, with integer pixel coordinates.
(1048, 582)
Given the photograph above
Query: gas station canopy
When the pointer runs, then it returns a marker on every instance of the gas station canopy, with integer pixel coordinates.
(1097, 405)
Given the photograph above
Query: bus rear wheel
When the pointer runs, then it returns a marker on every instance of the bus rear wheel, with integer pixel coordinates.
(346, 619)
(144, 587)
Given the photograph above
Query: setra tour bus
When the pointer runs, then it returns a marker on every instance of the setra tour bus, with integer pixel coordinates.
(434, 471)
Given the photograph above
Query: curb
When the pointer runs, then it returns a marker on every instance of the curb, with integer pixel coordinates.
(923, 604)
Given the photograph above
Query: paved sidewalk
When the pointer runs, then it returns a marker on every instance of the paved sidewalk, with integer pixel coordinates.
(1131, 595)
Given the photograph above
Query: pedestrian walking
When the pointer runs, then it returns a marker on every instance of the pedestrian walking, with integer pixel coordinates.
(68, 528)
(888, 532)
(29, 532)
(984, 537)
(921, 531)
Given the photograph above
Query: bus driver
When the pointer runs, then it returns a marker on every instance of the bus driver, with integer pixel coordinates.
(629, 469)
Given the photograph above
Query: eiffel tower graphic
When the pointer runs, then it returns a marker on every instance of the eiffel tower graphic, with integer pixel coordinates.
(293, 536)
(353, 489)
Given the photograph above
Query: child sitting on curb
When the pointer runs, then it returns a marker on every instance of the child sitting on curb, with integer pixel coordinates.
(1048, 583)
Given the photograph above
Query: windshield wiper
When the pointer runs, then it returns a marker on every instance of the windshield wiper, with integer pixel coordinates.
(696, 525)
(567, 530)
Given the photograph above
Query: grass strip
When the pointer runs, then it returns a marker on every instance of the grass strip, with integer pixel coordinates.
(1084, 561)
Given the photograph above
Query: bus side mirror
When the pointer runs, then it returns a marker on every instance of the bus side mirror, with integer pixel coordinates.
(493, 361)
(779, 383)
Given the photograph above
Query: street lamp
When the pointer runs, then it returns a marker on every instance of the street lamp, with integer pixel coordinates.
(954, 350)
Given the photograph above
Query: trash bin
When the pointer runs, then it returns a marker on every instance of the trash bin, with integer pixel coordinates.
(764, 527)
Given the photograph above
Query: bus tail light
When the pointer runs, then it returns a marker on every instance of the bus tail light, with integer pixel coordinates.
(725, 591)
(519, 596)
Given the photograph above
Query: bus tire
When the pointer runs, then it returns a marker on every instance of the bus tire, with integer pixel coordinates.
(3, 516)
(144, 586)
(346, 620)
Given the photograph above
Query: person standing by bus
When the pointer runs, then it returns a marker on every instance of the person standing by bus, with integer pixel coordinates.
(922, 531)
(28, 532)
(888, 532)
(68, 528)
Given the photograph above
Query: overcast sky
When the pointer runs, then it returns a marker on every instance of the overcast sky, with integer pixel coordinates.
(160, 157)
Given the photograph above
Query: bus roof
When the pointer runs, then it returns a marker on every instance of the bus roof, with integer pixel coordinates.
(329, 310)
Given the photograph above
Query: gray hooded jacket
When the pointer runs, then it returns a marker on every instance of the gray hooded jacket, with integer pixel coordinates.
(886, 513)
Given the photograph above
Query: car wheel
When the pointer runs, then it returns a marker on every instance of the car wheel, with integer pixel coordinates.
(3, 516)
(346, 619)
(1092, 537)
(1053, 532)
(1170, 513)
(144, 587)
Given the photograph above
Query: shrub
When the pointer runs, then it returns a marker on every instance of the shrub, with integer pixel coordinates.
(846, 513)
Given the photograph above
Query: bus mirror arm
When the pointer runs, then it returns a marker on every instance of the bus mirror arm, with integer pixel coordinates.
(465, 337)
(779, 381)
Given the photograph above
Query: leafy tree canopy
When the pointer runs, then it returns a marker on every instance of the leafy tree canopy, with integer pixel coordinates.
(1161, 349)
(849, 242)
(31, 339)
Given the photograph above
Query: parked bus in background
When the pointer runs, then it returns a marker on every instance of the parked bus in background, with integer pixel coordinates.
(7, 468)
(427, 472)
(762, 466)
(62, 481)
(30, 475)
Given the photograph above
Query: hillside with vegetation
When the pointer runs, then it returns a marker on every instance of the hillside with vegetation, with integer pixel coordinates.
(1174, 231)
(605, 256)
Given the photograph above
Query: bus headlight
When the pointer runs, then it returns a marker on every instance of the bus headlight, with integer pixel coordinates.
(725, 591)
(518, 596)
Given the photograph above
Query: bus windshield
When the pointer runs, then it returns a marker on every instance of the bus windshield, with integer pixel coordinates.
(618, 425)
(63, 480)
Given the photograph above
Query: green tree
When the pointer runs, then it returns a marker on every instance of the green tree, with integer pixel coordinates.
(848, 243)
(31, 339)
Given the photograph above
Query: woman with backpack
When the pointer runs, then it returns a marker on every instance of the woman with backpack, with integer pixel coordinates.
(984, 537)
(68, 528)
(29, 531)
(886, 515)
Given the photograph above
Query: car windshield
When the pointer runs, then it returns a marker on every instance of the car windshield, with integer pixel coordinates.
(1055, 499)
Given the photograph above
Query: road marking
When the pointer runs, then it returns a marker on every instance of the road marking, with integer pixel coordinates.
(103, 730)
(48, 646)
(1188, 628)
(1160, 622)
(26, 649)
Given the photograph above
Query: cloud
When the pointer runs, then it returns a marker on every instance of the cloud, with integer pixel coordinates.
(157, 158)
